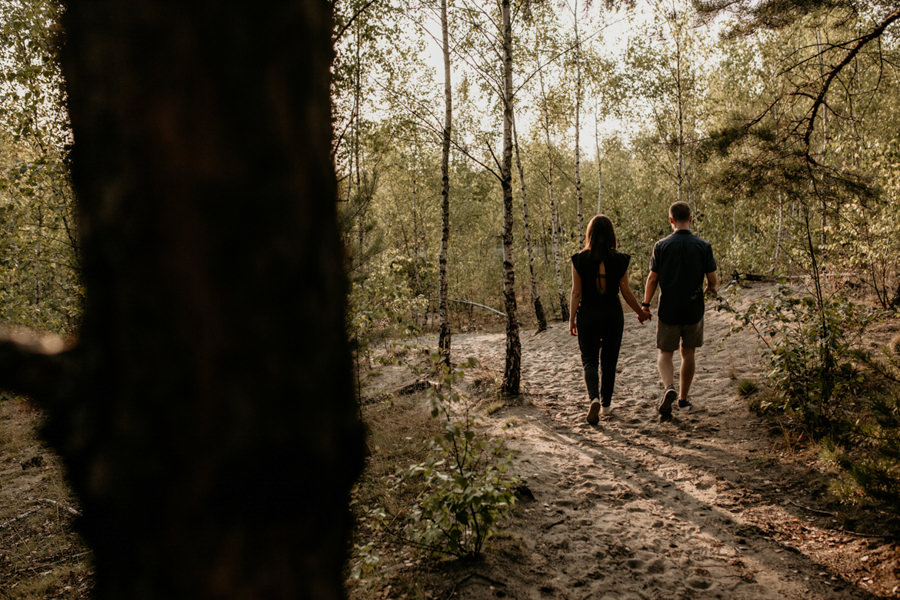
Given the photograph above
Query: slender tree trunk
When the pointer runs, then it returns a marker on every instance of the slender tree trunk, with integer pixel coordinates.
(579, 200)
(823, 208)
(37, 256)
(535, 297)
(599, 167)
(416, 249)
(190, 417)
(444, 335)
(560, 291)
(679, 174)
(779, 234)
(512, 371)
(357, 113)
(554, 208)
(824, 333)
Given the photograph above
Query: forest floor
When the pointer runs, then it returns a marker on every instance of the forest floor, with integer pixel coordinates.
(41, 556)
(709, 505)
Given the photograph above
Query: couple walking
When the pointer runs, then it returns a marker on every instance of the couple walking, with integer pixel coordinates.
(677, 267)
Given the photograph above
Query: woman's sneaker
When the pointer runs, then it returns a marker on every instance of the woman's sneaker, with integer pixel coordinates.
(684, 404)
(665, 404)
(594, 413)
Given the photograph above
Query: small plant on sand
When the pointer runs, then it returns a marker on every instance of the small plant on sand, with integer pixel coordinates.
(747, 387)
(466, 487)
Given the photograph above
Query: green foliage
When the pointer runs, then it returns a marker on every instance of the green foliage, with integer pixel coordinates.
(869, 455)
(466, 485)
(382, 302)
(810, 350)
(824, 386)
(39, 277)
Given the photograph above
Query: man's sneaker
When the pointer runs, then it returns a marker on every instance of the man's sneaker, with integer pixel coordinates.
(665, 404)
(684, 404)
(594, 413)
(605, 411)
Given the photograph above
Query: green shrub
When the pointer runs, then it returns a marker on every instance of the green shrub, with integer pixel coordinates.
(466, 487)
(810, 351)
(823, 385)
(869, 455)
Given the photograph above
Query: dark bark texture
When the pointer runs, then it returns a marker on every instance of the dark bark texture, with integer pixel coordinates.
(206, 418)
(444, 338)
(513, 366)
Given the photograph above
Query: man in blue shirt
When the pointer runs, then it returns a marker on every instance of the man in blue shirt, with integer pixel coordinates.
(678, 266)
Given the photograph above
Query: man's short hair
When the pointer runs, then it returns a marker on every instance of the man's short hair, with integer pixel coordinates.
(680, 212)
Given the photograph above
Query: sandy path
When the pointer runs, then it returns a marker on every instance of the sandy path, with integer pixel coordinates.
(634, 508)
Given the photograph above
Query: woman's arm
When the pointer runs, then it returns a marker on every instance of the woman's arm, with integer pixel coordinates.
(574, 300)
(643, 315)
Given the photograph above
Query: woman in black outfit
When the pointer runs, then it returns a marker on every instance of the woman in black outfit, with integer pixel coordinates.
(595, 312)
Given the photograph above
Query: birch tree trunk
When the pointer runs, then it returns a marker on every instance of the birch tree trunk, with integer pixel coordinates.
(579, 200)
(679, 100)
(535, 297)
(444, 335)
(190, 417)
(554, 208)
(599, 167)
(512, 370)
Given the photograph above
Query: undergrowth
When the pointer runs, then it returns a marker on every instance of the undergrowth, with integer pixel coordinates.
(434, 485)
(823, 388)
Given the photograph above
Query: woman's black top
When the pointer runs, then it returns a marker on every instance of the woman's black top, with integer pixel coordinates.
(595, 294)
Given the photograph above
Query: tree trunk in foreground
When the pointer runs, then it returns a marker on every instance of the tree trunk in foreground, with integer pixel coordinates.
(206, 418)
(512, 370)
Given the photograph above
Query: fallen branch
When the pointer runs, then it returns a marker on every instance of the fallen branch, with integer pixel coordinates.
(493, 310)
(9, 522)
(68, 509)
(47, 564)
(815, 511)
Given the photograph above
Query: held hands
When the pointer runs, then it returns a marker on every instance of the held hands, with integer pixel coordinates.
(573, 330)
(644, 315)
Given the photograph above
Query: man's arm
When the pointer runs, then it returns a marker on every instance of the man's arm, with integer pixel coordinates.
(712, 284)
(650, 288)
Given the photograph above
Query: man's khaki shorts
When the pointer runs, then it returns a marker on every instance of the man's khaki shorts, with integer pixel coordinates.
(669, 336)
